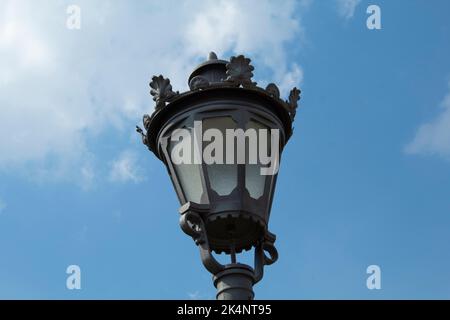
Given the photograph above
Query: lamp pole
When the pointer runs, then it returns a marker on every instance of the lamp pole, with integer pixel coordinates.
(225, 205)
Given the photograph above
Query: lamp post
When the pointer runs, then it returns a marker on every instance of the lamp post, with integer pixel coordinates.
(225, 204)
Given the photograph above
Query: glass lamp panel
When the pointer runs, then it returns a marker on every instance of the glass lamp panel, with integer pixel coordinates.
(254, 180)
(188, 174)
(223, 178)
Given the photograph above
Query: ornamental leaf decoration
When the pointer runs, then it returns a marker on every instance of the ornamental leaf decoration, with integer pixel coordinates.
(161, 90)
(239, 71)
(198, 83)
(294, 96)
(143, 135)
(146, 121)
(273, 90)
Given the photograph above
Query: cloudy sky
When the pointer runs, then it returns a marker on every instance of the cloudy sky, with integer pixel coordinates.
(365, 179)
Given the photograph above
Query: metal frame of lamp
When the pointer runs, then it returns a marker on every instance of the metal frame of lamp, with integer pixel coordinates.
(237, 220)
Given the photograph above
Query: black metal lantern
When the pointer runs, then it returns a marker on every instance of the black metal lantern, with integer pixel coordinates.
(226, 201)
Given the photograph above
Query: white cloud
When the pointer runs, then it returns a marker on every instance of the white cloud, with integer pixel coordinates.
(87, 176)
(346, 8)
(2, 206)
(262, 35)
(126, 169)
(197, 296)
(433, 138)
(194, 295)
(61, 88)
(291, 79)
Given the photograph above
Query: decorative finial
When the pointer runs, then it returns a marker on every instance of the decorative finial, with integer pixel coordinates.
(239, 72)
(294, 96)
(212, 56)
(143, 135)
(198, 83)
(273, 90)
(161, 90)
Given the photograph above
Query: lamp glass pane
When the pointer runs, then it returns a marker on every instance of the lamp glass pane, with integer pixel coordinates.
(254, 180)
(189, 176)
(223, 177)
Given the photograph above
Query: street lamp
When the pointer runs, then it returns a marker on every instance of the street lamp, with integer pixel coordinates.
(226, 201)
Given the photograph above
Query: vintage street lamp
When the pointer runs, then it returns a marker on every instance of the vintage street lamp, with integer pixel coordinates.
(225, 206)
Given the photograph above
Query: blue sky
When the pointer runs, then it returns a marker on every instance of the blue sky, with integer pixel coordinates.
(364, 180)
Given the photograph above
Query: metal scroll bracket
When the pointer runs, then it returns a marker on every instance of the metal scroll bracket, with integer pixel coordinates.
(192, 224)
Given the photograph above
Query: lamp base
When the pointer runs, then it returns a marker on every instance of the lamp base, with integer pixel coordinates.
(235, 282)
